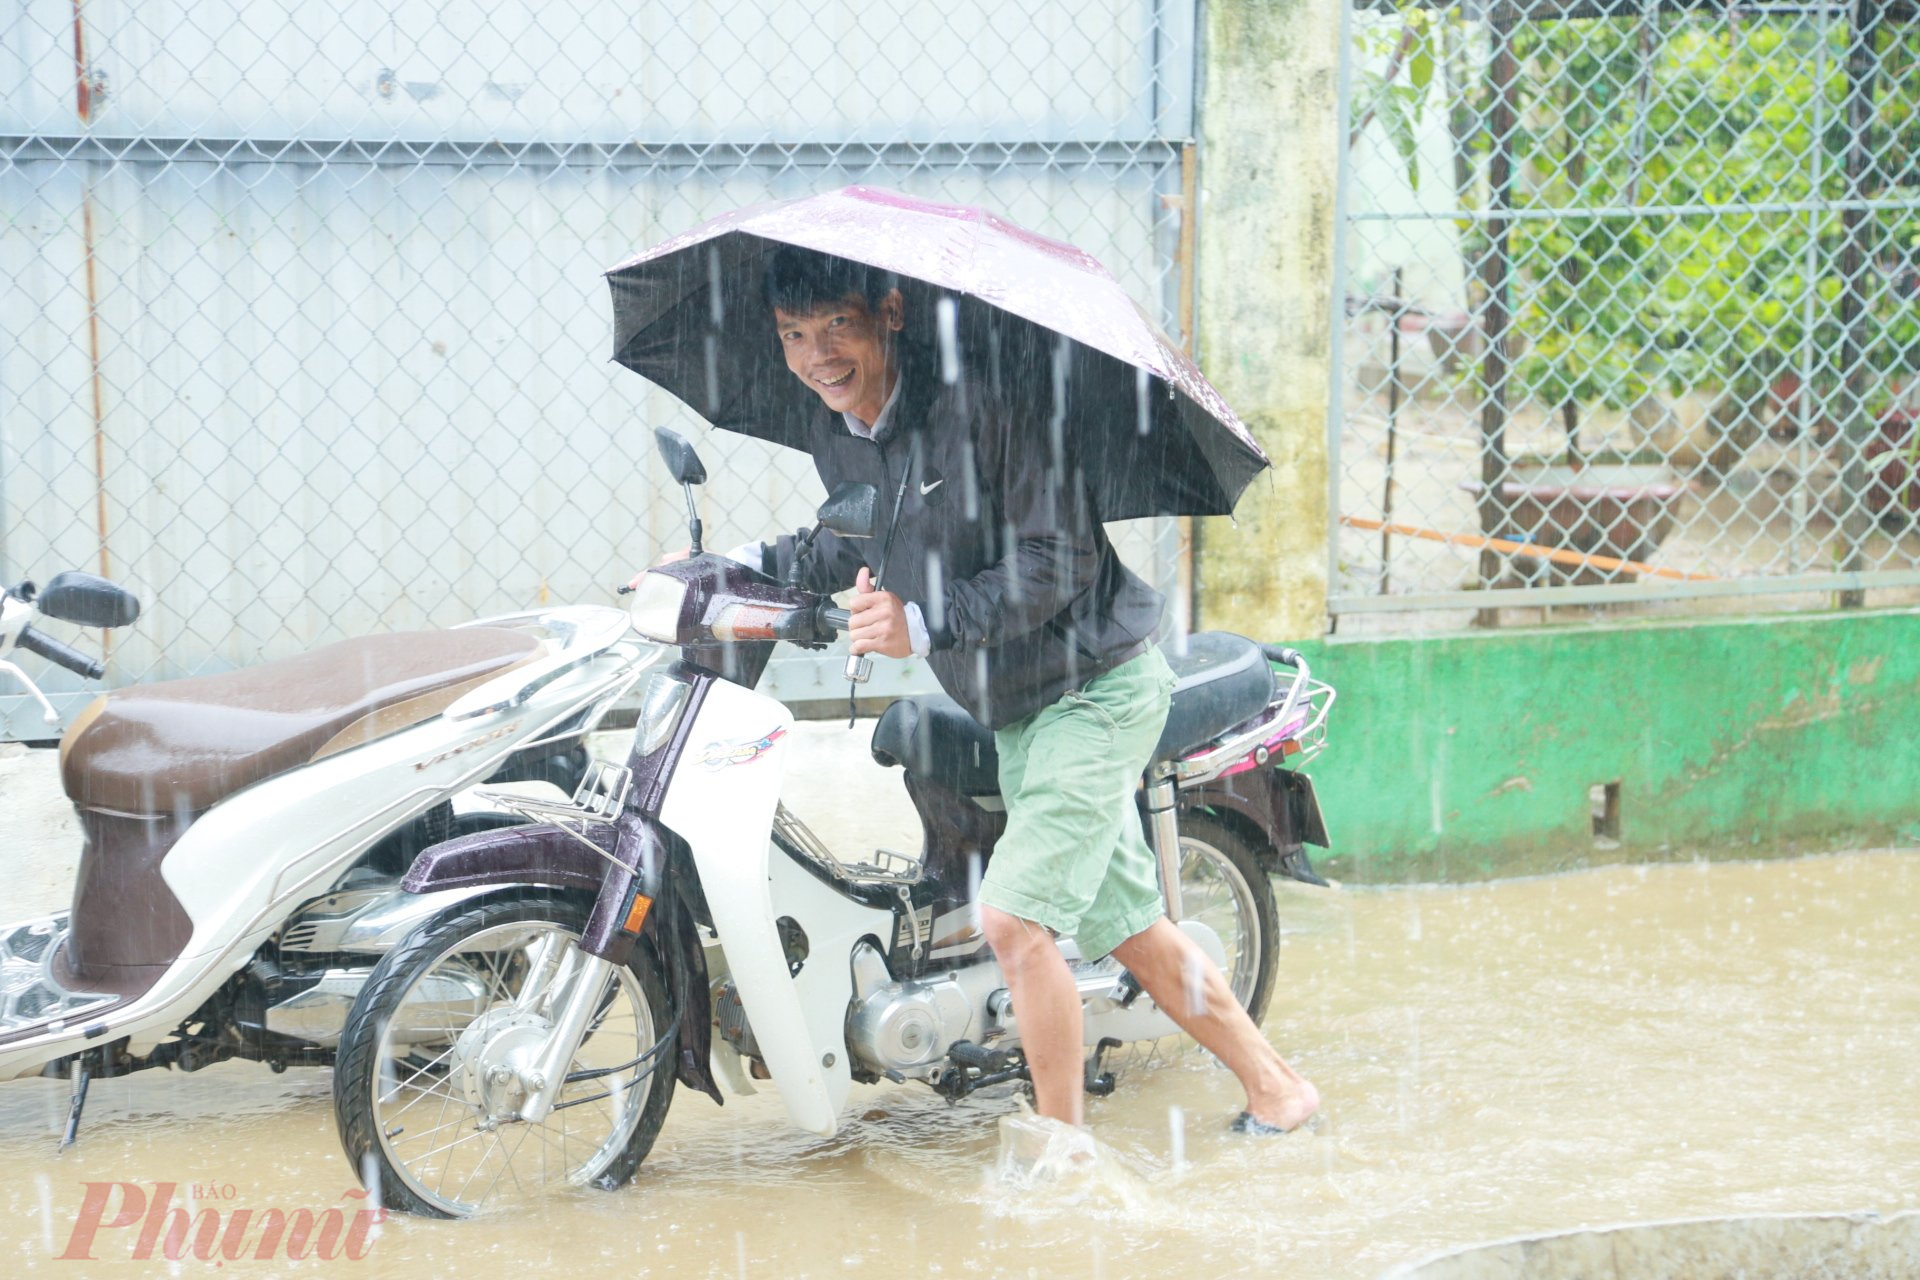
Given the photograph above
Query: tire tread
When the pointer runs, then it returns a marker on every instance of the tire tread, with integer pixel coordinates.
(357, 1059)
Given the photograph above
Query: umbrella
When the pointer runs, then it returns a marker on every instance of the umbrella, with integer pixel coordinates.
(1151, 434)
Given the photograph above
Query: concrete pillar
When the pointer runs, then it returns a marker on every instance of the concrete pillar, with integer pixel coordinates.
(1269, 144)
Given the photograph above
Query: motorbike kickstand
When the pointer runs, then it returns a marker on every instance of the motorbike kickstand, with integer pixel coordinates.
(81, 1078)
(1099, 1084)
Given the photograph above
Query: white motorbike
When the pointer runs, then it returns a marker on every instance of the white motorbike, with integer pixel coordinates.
(675, 921)
(245, 833)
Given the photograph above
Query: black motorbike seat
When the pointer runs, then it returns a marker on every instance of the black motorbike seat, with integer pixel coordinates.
(1221, 680)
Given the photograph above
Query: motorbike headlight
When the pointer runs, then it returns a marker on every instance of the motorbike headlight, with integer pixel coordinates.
(656, 607)
(661, 704)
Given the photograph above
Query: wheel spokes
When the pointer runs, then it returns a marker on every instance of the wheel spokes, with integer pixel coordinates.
(474, 1078)
(1212, 896)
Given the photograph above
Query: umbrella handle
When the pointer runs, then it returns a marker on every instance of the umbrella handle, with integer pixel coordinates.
(860, 669)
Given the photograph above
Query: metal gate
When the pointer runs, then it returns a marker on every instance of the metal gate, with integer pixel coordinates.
(302, 332)
(1632, 298)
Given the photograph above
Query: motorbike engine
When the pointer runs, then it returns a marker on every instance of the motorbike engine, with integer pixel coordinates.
(904, 1027)
(907, 1027)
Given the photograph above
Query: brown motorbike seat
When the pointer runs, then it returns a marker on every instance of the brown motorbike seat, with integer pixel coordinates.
(180, 746)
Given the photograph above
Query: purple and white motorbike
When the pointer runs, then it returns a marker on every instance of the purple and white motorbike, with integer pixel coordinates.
(676, 922)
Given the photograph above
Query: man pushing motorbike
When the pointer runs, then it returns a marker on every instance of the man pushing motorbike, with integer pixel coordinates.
(999, 573)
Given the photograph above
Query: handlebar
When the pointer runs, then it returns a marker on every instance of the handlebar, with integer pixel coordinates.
(829, 623)
(59, 654)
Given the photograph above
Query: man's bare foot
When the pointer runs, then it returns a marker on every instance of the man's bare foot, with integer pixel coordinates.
(1283, 1110)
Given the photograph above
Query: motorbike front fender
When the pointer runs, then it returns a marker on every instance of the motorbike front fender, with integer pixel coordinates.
(542, 854)
(538, 853)
(628, 857)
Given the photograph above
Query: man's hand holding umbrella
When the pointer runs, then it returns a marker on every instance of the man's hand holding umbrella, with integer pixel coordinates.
(878, 620)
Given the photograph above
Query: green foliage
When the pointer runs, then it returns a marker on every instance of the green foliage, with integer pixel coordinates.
(1704, 114)
(1397, 93)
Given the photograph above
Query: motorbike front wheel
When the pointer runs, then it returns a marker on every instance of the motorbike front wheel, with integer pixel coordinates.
(427, 1079)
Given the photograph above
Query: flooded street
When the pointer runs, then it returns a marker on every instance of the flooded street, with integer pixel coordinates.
(1629, 1043)
(1471, 438)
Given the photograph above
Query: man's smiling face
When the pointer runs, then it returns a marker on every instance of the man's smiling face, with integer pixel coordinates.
(844, 352)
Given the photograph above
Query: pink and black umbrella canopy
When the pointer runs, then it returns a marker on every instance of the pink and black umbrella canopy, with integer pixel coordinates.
(1059, 339)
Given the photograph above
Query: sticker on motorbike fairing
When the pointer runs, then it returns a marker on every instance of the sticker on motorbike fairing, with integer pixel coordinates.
(721, 755)
(958, 933)
(915, 927)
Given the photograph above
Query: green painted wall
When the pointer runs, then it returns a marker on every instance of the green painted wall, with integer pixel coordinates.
(1474, 755)
(1467, 756)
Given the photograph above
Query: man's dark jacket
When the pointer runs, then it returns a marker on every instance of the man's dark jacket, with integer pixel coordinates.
(1022, 593)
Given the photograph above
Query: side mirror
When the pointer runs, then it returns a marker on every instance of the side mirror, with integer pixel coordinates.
(851, 511)
(684, 465)
(88, 601)
(682, 462)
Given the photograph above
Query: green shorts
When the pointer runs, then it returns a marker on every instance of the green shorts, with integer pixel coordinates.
(1074, 858)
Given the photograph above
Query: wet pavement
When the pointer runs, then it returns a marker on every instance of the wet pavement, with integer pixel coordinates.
(1632, 1043)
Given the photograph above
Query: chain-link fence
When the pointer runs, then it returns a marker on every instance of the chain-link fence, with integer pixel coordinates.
(1633, 304)
(302, 331)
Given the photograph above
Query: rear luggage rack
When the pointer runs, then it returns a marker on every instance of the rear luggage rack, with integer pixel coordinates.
(882, 867)
(1296, 716)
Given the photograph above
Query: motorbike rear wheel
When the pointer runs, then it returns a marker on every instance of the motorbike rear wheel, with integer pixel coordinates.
(1222, 885)
(424, 1083)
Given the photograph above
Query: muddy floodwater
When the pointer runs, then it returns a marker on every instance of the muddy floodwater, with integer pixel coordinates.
(1629, 1043)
